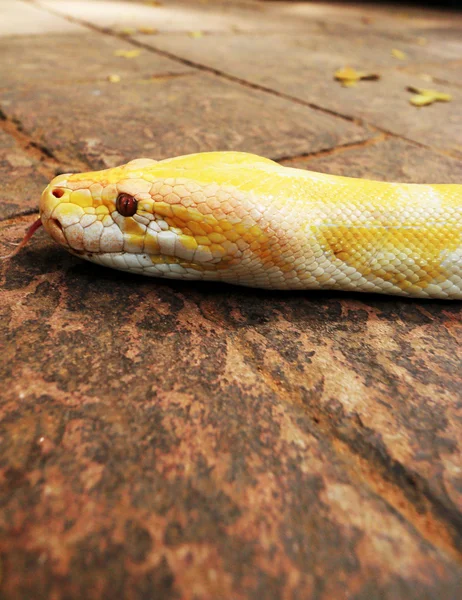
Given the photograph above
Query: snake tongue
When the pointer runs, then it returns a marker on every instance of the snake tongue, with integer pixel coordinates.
(29, 233)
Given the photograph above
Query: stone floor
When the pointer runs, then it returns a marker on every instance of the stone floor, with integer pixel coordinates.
(174, 440)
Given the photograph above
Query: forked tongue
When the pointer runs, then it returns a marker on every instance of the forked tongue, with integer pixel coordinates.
(29, 233)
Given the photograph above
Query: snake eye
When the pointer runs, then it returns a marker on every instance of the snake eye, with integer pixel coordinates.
(126, 205)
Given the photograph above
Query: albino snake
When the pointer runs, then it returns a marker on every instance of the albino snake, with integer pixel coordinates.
(243, 219)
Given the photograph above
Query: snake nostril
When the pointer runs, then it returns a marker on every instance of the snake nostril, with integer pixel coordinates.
(58, 193)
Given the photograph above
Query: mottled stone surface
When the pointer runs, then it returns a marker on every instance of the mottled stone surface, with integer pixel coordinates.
(248, 15)
(214, 441)
(169, 116)
(195, 441)
(386, 159)
(23, 178)
(22, 18)
(309, 76)
(185, 16)
(46, 60)
(449, 72)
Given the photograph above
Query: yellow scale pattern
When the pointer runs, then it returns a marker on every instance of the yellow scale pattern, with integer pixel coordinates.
(244, 219)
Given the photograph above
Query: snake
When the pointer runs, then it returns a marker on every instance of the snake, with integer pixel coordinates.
(243, 219)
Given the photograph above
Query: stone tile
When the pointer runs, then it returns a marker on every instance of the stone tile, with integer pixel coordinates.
(171, 116)
(185, 16)
(447, 72)
(175, 440)
(381, 17)
(389, 160)
(46, 60)
(445, 41)
(249, 15)
(23, 18)
(23, 179)
(169, 440)
(308, 76)
(313, 52)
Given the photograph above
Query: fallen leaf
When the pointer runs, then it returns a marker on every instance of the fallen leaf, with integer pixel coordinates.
(425, 97)
(127, 31)
(113, 78)
(349, 77)
(148, 30)
(399, 54)
(425, 77)
(127, 53)
(196, 34)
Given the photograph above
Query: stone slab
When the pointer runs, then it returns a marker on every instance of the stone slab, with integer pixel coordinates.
(47, 60)
(177, 440)
(23, 18)
(444, 40)
(252, 15)
(388, 160)
(433, 74)
(108, 124)
(308, 76)
(23, 178)
(185, 16)
(390, 18)
(168, 440)
(329, 49)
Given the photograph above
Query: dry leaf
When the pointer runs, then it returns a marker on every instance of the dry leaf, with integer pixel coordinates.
(196, 34)
(127, 53)
(148, 30)
(425, 77)
(349, 77)
(127, 31)
(399, 54)
(425, 97)
(113, 78)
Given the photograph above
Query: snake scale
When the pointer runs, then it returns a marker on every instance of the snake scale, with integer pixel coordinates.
(243, 219)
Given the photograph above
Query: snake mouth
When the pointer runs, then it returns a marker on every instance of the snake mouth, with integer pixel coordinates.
(158, 265)
(56, 230)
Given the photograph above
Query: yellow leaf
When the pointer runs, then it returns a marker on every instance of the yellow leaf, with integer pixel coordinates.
(349, 77)
(350, 82)
(127, 31)
(399, 54)
(419, 100)
(127, 53)
(113, 78)
(424, 97)
(425, 77)
(147, 30)
(196, 34)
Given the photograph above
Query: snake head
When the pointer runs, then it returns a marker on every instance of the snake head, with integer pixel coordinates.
(177, 218)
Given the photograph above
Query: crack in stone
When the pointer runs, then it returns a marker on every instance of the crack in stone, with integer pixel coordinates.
(405, 492)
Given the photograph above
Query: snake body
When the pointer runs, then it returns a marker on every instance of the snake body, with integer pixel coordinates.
(243, 219)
